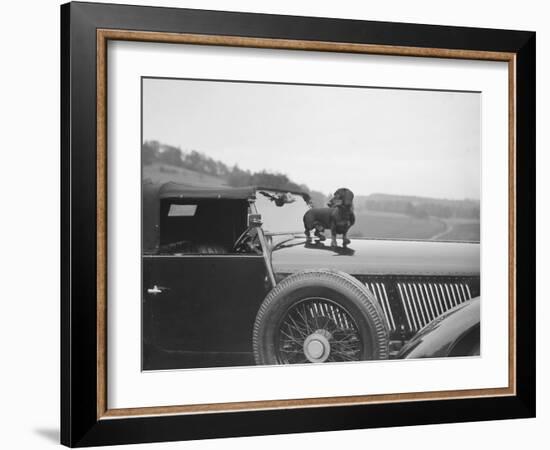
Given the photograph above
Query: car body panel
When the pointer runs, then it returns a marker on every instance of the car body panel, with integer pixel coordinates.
(379, 257)
(190, 316)
(440, 337)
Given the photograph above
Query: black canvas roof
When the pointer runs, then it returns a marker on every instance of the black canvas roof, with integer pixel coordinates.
(175, 190)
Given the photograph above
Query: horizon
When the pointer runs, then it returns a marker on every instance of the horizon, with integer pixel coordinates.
(328, 193)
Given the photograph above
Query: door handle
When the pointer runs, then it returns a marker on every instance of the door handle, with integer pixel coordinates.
(155, 290)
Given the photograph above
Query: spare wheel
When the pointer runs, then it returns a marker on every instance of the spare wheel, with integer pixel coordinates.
(319, 316)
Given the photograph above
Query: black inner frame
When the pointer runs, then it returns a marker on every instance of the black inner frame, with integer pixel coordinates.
(79, 423)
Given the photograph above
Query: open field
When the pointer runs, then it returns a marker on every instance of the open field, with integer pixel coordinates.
(461, 230)
(376, 224)
(392, 225)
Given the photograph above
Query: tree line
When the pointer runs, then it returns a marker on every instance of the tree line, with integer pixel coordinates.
(157, 152)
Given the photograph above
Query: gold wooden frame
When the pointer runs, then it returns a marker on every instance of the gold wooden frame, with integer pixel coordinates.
(103, 36)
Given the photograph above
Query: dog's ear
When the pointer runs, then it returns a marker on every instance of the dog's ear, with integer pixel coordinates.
(339, 194)
(347, 197)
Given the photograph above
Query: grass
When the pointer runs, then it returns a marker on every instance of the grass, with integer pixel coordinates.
(468, 231)
(375, 224)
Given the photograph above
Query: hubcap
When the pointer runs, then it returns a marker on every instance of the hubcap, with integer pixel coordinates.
(317, 346)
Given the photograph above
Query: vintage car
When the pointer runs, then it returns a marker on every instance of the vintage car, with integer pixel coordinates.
(229, 279)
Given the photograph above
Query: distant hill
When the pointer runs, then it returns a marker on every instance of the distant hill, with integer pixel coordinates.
(162, 163)
(163, 173)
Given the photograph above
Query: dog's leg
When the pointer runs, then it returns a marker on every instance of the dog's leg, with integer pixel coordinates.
(345, 239)
(319, 232)
(307, 226)
(333, 242)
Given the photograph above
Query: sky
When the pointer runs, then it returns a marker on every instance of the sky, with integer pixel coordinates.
(395, 141)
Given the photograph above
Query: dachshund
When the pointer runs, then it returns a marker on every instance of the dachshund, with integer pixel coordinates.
(338, 217)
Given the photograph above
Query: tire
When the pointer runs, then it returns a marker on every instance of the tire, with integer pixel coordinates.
(319, 316)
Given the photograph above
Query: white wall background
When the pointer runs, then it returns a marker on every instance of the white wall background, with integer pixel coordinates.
(29, 189)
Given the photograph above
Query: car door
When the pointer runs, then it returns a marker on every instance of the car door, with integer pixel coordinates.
(201, 303)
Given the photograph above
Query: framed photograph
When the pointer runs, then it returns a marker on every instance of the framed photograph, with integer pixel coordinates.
(276, 224)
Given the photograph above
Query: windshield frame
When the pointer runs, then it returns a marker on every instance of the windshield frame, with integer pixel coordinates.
(264, 193)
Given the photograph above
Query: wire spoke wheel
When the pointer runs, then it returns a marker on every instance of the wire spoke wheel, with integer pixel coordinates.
(318, 316)
(316, 330)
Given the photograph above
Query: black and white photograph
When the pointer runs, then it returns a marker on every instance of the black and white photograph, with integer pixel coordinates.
(297, 223)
